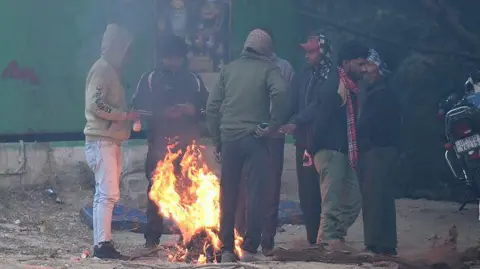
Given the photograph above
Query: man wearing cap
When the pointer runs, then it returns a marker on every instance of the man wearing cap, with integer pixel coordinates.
(334, 147)
(305, 89)
(175, 98)
(378, 136)
(249, 94)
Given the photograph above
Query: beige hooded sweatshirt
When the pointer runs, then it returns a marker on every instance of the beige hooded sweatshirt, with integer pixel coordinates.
(105, 104)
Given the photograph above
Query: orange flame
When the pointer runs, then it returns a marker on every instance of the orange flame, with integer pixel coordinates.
(190, 198)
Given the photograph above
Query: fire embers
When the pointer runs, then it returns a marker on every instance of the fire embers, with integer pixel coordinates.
(188, 192)
(198, 250)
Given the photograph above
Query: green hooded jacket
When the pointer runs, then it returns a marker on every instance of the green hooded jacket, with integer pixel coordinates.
(242, 96)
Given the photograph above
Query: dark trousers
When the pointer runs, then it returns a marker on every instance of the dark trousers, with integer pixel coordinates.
(276, 148)
(235, 155)
(376, 170)
(241, 211)
(309, 195)
(154, 228)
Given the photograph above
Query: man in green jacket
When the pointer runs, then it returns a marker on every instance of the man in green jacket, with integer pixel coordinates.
(236, 110)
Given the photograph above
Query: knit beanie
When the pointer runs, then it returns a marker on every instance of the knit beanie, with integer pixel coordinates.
(259, 41)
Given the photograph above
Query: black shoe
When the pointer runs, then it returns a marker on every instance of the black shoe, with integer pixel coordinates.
(106, 250)
(267, 252)
(388, 251)
(372, 249)
(152, 244)
(228, 257)
(382, 251)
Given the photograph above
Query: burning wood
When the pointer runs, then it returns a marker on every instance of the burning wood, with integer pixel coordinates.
(198, 250)
(187, 191)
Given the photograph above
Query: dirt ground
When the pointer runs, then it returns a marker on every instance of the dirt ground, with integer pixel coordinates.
(37, 232)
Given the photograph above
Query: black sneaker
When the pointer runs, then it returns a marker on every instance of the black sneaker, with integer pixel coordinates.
(372, 249)
(152, 244)
(228, 257)
(267, 252)
(107, 251)
(381, 251)
(388, 251)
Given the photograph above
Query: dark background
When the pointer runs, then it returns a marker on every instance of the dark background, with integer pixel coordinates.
(431, 45)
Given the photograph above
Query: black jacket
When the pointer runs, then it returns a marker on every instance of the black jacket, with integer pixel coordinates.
(306, 89)
(161, 89)
(330, 124)
(378, 124)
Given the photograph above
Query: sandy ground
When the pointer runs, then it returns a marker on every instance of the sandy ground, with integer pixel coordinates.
(37, 232)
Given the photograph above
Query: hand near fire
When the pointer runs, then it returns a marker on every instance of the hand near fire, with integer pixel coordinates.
(179, 110)
(288, 128)
(187, 109)
(307, 159)
(132, 115)
(172, 113)
(217, 153)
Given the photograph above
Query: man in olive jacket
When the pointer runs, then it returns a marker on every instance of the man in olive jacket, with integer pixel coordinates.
(237, 106)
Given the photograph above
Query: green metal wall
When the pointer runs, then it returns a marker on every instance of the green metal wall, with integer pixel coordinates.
(281, 17)
(60, 39)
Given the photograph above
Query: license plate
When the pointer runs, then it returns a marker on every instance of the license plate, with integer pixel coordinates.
(467, 144)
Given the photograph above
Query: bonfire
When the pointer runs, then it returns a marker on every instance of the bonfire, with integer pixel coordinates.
(189, 194)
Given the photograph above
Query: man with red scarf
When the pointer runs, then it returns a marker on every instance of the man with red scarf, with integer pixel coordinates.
(334, 147)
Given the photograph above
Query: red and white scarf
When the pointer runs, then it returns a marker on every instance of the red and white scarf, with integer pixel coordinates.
(352, 88)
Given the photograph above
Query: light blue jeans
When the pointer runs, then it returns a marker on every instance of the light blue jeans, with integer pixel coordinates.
(105, 160)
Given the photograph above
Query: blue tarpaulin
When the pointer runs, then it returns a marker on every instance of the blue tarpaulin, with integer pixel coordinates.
(134, 220)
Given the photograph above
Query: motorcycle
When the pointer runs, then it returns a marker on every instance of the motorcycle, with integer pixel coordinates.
(461, 113)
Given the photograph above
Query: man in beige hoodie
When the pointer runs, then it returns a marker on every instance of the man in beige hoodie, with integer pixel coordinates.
(108, 125)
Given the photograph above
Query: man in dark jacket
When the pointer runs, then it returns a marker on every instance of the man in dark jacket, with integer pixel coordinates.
(305, 89)
(335, 149)
(250, 91)
(175, 97)
(378, 135)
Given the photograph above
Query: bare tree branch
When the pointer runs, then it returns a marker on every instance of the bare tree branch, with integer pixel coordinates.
(321, 19)
(447, 17)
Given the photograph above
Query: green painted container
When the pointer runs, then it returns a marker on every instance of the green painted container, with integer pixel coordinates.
(48, 47)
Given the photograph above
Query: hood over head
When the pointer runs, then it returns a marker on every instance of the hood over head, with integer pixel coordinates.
(259, 41)
(115, 43)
